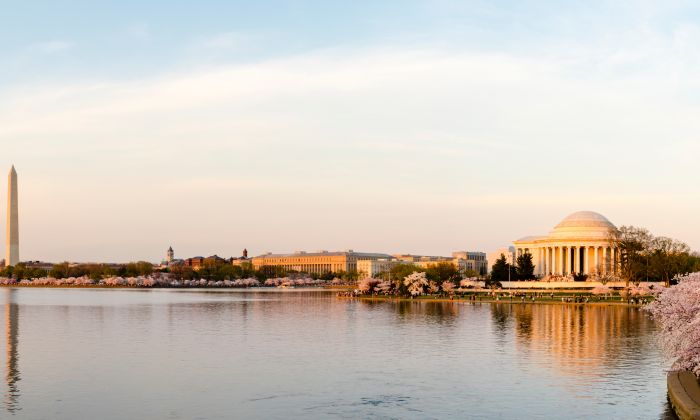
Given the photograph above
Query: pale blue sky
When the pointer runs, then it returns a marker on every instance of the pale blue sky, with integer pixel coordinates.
(392, 126)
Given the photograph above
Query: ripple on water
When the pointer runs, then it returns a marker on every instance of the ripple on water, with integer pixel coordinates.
(194, 354)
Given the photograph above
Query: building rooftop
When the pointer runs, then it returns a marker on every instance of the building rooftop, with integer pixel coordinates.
(324, 254)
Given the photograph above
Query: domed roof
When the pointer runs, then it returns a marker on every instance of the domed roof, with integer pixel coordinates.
(583, 224)
(531, 238)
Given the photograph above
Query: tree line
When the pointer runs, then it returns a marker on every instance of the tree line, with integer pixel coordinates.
(502, 270)
(64, 270)
(217, 270)
(645, 257)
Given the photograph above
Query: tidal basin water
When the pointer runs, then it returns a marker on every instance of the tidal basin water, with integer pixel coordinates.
(202, 354)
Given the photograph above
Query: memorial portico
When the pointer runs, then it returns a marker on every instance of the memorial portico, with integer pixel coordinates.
(578, 244)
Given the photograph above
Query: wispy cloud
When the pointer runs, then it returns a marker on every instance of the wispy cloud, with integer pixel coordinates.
(414, 133)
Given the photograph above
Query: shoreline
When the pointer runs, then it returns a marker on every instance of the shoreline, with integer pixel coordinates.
(491, 300)
(106, 286)
(421, 299)
(684, 394)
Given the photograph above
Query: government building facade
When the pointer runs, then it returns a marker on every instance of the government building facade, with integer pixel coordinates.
(581, 243)
(317, 262)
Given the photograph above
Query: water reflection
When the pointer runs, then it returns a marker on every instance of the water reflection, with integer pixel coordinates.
(269, 354)
(577, 339)
(439, 311)
(11, 338)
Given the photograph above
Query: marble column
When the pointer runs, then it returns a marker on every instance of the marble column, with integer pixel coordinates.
(595, 259)
(612, 261)
(586, 269)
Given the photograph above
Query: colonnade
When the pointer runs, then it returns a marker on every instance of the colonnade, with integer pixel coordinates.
(567, 259)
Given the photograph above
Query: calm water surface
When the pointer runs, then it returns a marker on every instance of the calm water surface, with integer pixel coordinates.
(199, 354)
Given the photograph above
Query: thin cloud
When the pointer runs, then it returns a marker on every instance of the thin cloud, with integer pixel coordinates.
(422, 134)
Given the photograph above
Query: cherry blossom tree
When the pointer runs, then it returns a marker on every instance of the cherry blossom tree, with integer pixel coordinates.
(433, 287)
(601, 290)
(677, 309)
(468, 284)
(384, 287)
(367, 285)
(640, 290)
(448, 287)
(416, 283)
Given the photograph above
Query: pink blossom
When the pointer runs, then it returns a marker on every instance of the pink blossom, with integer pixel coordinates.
(416, 283)
(367, 285)
(601, 290)
(448, 287)
(677, 309)
(384, 287)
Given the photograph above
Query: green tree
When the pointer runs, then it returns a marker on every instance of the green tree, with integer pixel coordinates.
(667, 258)
(19, 272)
(59, 271)
(247, 270)
(400, 271)
(442, 272)
(183, 272)
(525, 269)
(500, 269)
(349, 276)
(270, 271)
(228, 272)
(632, 245)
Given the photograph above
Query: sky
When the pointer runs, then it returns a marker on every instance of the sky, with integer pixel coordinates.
(405, 126)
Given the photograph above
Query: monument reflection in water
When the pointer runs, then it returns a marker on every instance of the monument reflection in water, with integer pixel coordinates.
(11, 338)
(576, 339)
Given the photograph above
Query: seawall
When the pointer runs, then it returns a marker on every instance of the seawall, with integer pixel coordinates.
(684, 394)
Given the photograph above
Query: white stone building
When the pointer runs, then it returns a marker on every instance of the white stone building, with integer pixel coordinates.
(371, 268)
(581, 243)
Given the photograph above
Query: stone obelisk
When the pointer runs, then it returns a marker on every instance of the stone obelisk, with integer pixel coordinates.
(12, 239)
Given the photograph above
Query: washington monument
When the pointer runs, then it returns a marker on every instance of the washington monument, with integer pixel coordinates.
(12, 239)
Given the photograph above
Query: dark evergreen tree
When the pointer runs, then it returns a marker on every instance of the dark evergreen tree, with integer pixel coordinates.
(499, 270)
(525, 269)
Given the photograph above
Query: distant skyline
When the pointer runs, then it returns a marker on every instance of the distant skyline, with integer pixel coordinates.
(393, 126)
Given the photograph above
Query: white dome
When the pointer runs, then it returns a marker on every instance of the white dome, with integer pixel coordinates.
(583, 224)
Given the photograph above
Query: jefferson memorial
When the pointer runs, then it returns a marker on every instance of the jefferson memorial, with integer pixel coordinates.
(578, 244)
